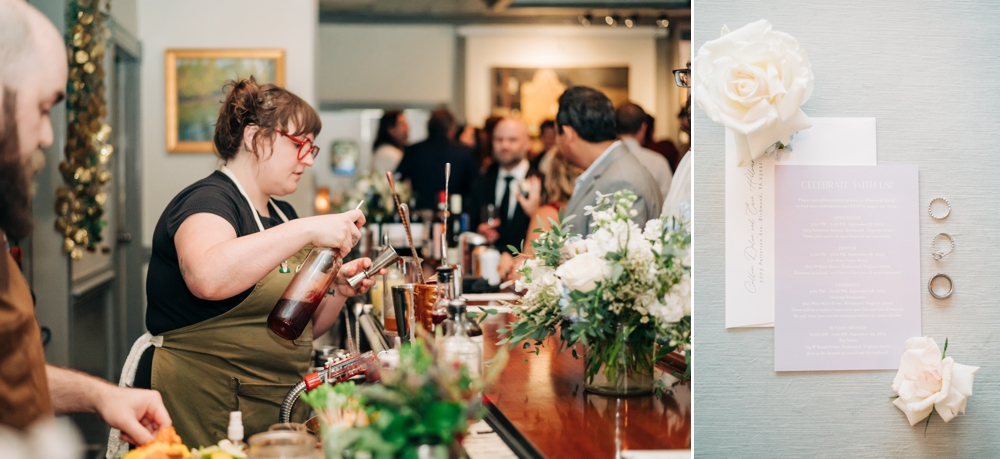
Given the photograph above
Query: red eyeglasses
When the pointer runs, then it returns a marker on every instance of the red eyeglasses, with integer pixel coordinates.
(301, 143)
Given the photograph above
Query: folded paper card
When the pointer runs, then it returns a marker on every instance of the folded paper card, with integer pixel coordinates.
(750, 210)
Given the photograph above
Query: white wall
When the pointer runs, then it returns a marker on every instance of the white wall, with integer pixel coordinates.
(125, 14)
(391, 64)
(163, 25)
(533, 46)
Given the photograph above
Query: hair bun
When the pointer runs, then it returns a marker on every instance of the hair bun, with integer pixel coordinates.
(239, 109)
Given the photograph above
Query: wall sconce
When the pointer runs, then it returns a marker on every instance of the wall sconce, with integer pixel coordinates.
(322, 201)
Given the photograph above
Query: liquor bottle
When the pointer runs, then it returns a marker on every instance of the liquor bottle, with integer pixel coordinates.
(445, 293)
(299, 301)
(439, 227)
(456, 345)
(472, 329)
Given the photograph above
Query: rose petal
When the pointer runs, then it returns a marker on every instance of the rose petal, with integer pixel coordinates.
(914, 416)
(961, 378)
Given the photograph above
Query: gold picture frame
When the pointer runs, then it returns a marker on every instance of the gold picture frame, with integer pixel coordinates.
(194, 80)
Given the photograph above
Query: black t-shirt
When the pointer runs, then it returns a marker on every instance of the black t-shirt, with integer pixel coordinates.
(170, 304)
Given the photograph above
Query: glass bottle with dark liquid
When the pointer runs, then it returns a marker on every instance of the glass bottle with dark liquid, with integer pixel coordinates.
(445, 293)
(313, 278)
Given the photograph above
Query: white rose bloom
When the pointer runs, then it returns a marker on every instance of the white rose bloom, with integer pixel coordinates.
(582, 272)
(573, 249)
(753, 80)
(926, 382)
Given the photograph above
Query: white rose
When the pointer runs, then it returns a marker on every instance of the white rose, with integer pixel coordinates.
(575, 248)
(753, 81)
(582, 272)
(925, 382)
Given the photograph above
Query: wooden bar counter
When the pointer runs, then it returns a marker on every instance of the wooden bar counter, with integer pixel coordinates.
(544, 400)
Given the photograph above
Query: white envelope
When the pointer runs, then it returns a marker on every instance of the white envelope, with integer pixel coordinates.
(750, 210)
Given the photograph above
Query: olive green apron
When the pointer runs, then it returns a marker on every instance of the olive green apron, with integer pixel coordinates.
(232, 362)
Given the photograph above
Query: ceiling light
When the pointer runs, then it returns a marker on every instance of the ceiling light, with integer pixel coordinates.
(663, 22)
(630, 21)
(585, 19)
(611, 20)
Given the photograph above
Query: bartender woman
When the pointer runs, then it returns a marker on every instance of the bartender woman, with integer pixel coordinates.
(223, 252)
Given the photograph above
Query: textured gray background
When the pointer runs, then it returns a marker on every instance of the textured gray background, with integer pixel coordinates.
(929, 71)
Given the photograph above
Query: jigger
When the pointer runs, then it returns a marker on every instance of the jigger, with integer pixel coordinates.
(385, 258)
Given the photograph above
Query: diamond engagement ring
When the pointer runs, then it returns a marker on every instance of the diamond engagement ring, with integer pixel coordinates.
(937, 254)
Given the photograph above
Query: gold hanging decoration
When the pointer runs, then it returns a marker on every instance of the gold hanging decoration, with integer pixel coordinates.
(80, 200)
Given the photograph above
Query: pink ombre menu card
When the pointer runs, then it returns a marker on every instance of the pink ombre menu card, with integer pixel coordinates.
(847, 267)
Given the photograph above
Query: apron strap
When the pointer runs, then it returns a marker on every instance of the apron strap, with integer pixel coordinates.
(253, 210)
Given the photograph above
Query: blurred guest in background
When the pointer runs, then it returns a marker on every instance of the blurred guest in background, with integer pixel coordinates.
(631, 126)
(664, 147)
(423, 163)
(503, 185)
(484, 150)
(685, 121)
(557, 187)
(678, 201)
(468, 136)
(585, 127)
(547, 135)
(387, 152)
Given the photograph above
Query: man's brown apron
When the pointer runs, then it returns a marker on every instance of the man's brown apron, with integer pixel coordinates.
(24, 388)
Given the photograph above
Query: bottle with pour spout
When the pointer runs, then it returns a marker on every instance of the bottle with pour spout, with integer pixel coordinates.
(312, 280)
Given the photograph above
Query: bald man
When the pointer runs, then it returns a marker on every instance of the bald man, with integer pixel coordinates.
(504, 185)
(33, 72)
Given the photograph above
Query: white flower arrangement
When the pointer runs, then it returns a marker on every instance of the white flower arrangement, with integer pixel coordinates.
(621, 279)
(366, 188)
(753, 81)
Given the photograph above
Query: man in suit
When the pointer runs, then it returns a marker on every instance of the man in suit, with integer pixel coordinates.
(423, 162)
(631, 126)
(502, 186)
(585, 134)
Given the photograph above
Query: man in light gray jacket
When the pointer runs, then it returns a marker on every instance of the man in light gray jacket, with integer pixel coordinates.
(585, 134)
(631, 125)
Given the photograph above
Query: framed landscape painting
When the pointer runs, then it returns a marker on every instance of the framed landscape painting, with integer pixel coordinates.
(532, 94)
(194, 89)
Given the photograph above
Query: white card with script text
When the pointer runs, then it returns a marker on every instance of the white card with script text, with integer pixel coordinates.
(750, 209)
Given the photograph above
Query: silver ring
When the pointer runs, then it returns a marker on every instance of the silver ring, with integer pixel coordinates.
(930, 207)
(951, 286)
(937, 254)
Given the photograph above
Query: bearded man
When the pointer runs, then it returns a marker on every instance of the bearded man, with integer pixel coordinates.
(33, 72)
